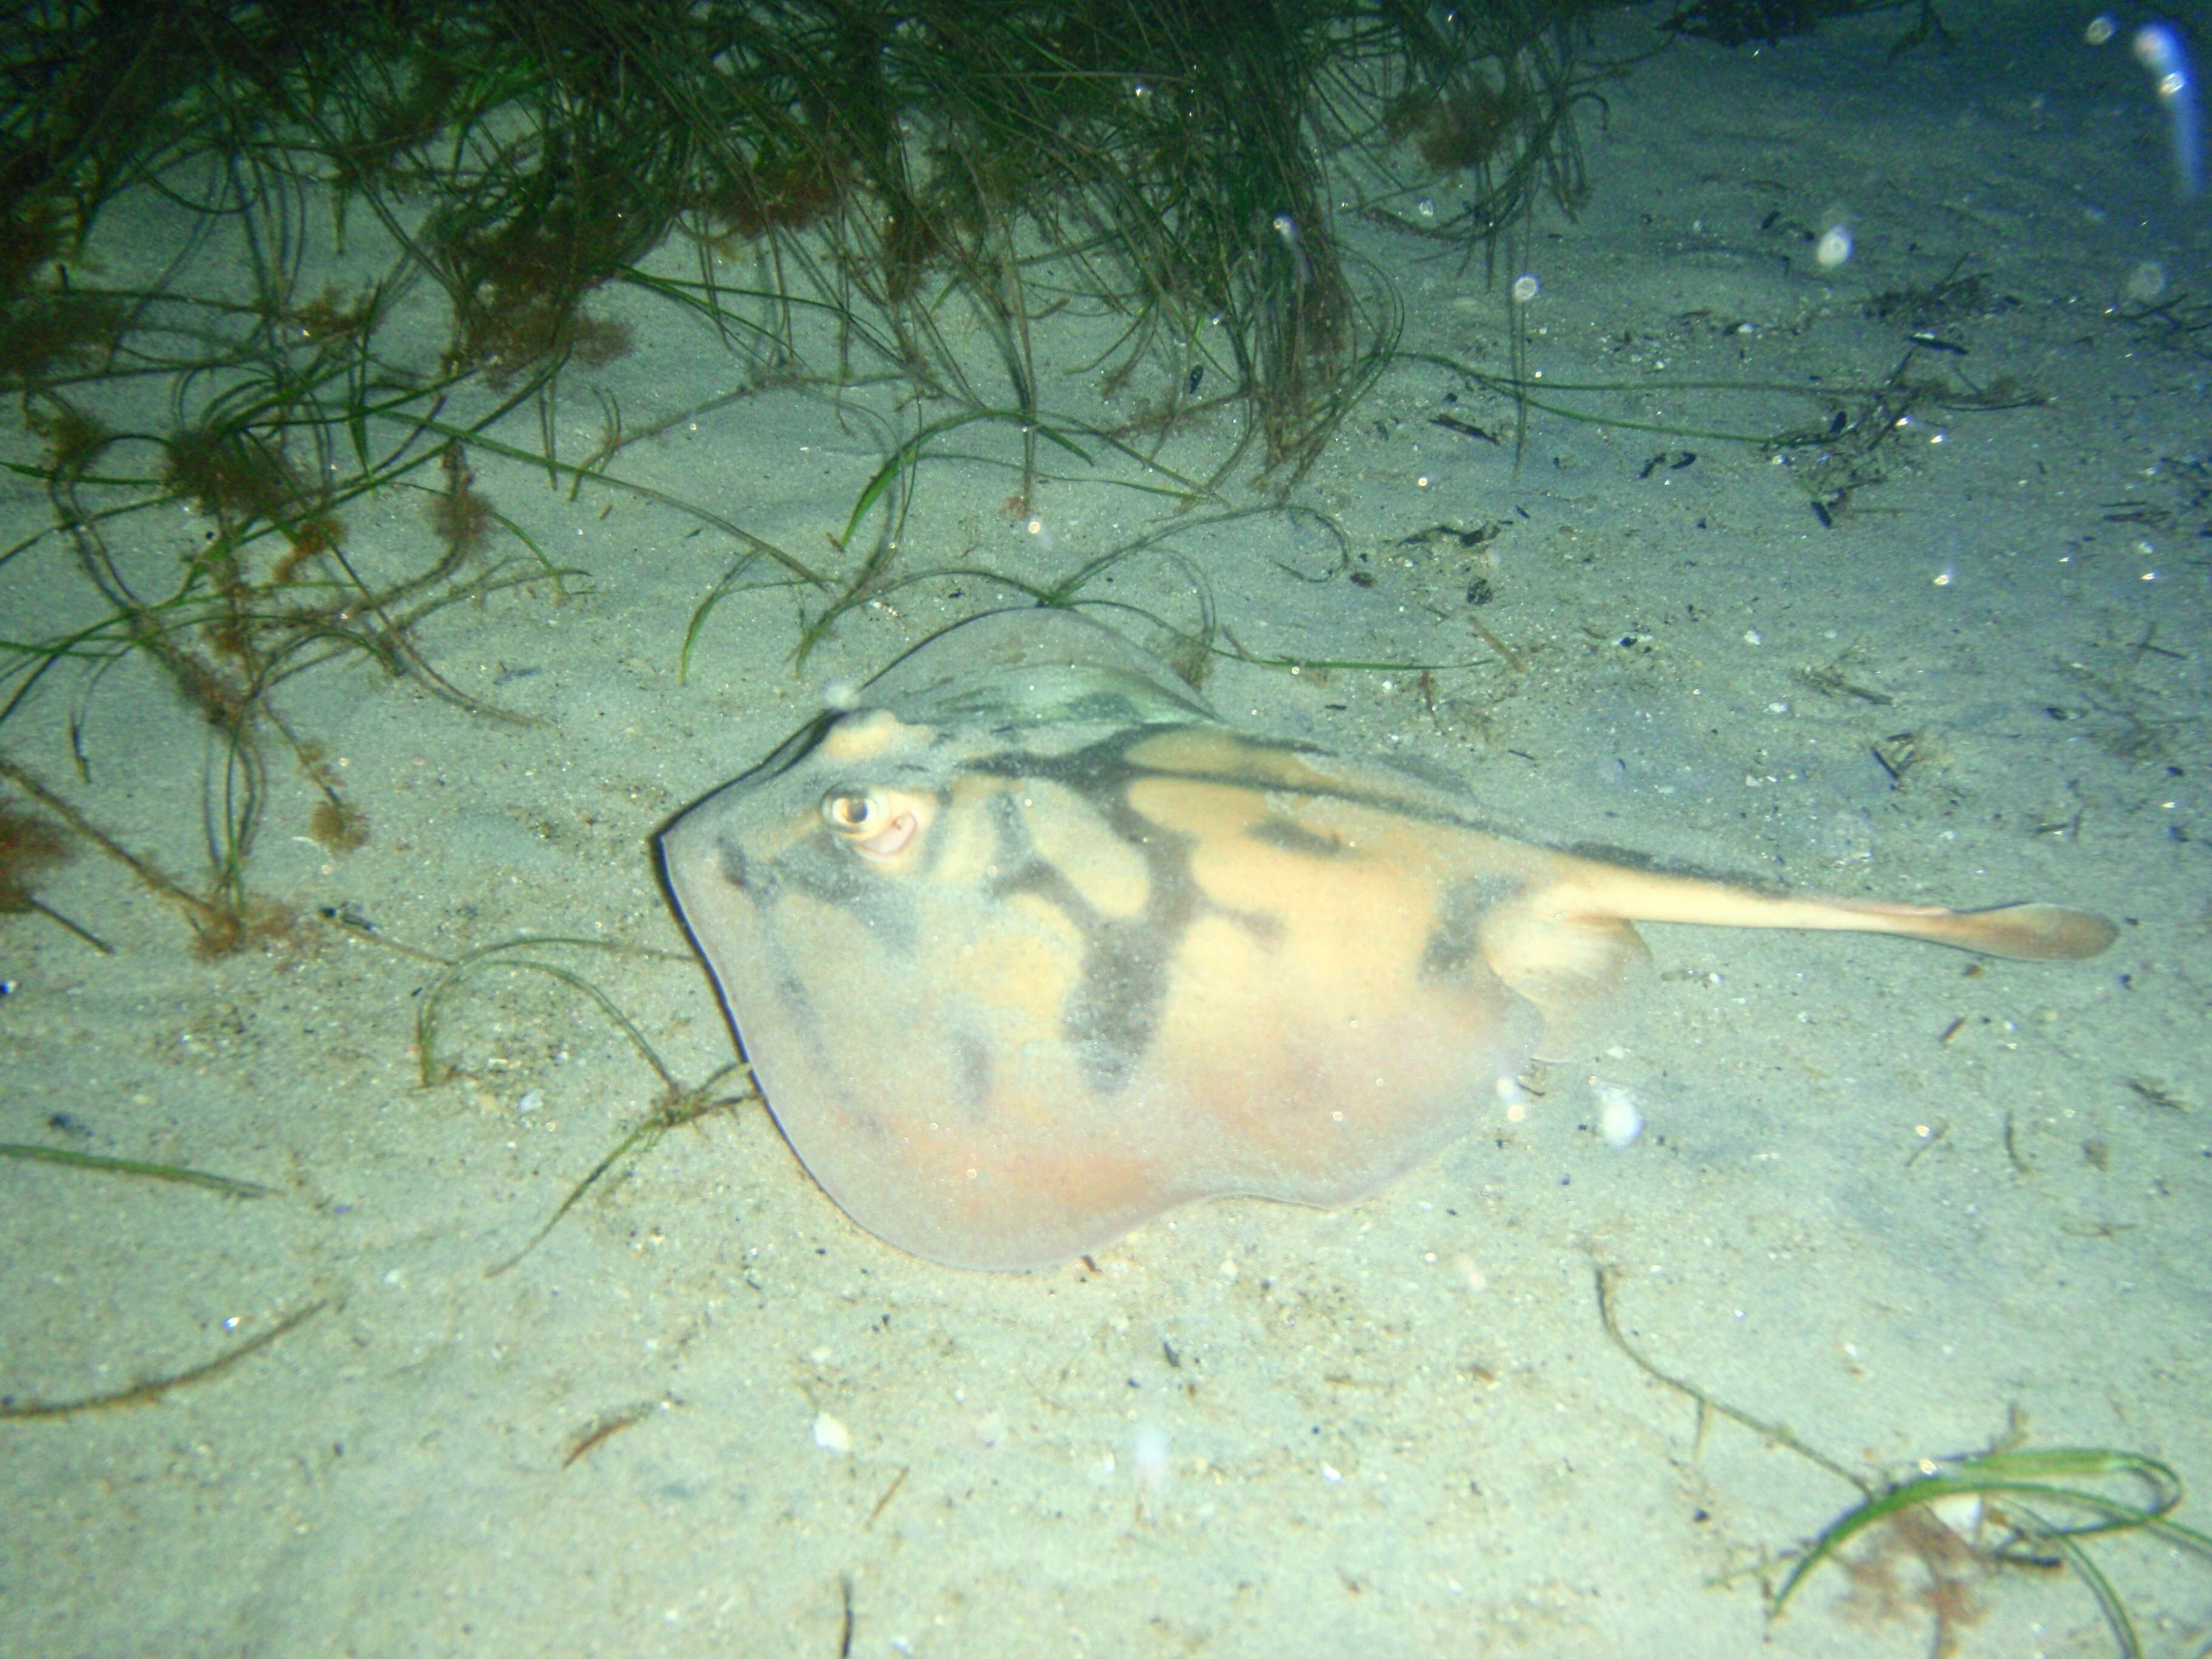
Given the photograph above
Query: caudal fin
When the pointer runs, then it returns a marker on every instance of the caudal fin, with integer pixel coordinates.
(2027, 933)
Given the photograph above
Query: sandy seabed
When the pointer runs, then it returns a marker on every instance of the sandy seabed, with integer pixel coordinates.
(1895, 1199)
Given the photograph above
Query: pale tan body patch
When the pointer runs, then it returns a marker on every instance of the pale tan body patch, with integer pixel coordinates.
(1031, 948)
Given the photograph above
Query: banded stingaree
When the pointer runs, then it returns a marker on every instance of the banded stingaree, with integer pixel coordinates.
(1029, 946)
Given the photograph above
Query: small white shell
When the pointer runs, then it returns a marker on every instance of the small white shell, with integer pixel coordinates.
(1961, 1512)
(1619, 1119)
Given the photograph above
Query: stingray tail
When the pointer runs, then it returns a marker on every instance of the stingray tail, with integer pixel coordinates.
(2028, 933)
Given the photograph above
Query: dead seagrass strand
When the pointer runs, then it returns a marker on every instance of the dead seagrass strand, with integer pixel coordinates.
(1028, 947)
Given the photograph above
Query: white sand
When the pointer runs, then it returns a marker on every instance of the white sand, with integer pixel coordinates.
(1252, 1429)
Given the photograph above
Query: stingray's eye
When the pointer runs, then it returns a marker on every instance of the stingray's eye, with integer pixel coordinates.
(853, 816)
(877, 826)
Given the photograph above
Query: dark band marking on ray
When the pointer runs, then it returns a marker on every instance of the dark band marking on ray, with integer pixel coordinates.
(1114, 1009)
(975, 1072)
(730, 862)
(1411, 805)
(1455, 943)
(1296, 838)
